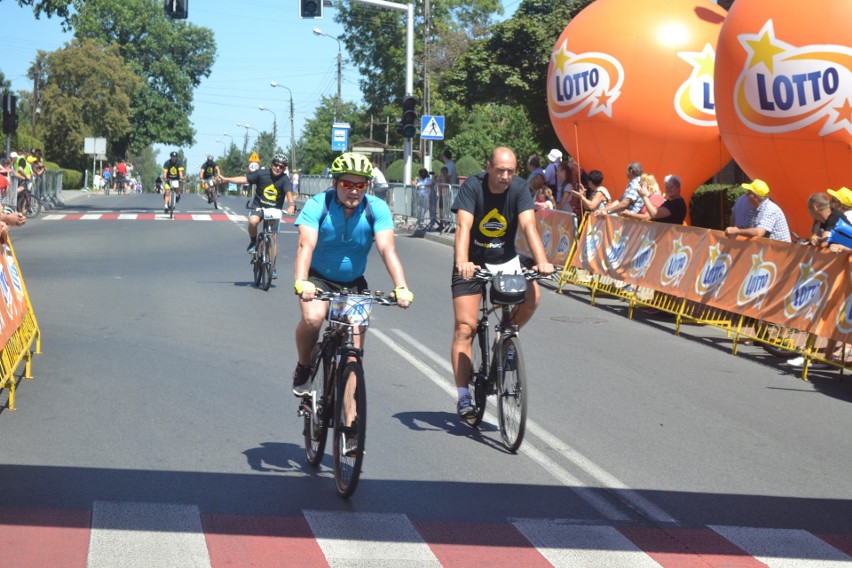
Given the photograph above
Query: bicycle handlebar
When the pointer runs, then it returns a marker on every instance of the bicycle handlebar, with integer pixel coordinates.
(484, 275)
(377, 295)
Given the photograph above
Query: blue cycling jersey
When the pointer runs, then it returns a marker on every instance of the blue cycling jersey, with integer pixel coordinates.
(343, 244)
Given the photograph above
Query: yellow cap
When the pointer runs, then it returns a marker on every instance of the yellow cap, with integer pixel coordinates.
(843, 195)
(758, 187)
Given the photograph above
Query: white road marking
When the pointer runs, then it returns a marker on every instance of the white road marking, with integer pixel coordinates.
(369, 539)
(785, 548)
(146, 535)
(570, 543)
(586, 493)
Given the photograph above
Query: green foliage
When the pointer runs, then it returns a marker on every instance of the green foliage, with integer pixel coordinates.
(313, 151)
(173, 57)
(468, 166)
(396, 171)
(489, 126)
(72, 179)
(80, 99)
(145, 167)
(710, 206)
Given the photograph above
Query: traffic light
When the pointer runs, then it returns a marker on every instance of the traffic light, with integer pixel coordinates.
(10, 113)
(408, 126)
(310, 9)
(176, 9)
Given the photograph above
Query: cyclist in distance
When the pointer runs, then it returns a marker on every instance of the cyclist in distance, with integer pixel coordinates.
(172, 170)
(337, 229)
(273, 189)
(490, 209)
(209, 173)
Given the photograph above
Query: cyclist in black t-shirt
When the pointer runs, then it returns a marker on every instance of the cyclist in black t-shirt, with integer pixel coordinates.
(272, 190)
(209, 174)
(490, 209)
(172, 171)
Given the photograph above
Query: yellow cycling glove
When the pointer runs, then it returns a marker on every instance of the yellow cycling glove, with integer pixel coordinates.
(403, 293)
(304, 286)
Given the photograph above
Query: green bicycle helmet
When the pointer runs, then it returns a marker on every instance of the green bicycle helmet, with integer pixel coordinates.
(352, 163)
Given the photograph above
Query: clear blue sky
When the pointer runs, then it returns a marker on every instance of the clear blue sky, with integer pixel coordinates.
(257, 41)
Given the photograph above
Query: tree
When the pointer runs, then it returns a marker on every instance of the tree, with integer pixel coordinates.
(491, 125)
(314, 147)
(79, 99)
(376, 43)
(173, 57)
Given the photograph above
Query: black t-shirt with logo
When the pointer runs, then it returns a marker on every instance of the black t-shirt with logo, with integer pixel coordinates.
(209, 169)
(495, 217)
(172, 170)
(271, 190)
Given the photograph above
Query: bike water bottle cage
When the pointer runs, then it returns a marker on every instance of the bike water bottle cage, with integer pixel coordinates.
(508, 289)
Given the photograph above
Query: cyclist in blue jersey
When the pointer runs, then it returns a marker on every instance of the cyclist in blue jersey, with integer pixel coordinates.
(337, 229)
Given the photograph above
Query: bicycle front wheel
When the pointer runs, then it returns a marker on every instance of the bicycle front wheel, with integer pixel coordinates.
(349, 435)
(35, 207)
(316, 424)
(512, 394)
(267, 263)
(258, 264)
(478, 377)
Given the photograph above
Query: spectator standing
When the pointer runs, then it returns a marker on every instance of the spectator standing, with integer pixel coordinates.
(568, 179)
(544, 199)
(554, 157)
(424, 186)
(825, 219)
(295, 181)
(447, 159)
(647, 184)
(741, 211)
(843, 196)
(534, 166)
(630, 200)
(596, 196)
(767, 219)
(673, 209)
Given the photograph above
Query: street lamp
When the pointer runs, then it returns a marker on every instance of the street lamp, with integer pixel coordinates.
(274, 127)
(292, 131)
(245, 141)
(319, 32)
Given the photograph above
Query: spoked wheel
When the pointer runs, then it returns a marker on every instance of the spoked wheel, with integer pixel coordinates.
(172, 205)
(215, 194)
(349, 440)
(512, 395)
(316, 423)
(258, 264)
(478, 379)
(266, 281)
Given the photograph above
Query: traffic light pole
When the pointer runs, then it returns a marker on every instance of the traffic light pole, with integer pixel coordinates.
(408, 143)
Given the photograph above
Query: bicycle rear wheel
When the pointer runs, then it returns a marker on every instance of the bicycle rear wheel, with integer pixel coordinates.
(512, 394)
(478, 376)
(316, 425)
(347, 465)
(267, 263)
(172, 204)
(35, 207)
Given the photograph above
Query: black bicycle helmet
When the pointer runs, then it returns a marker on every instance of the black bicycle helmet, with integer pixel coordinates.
(173, 155)
(352, 163)
(280, 158)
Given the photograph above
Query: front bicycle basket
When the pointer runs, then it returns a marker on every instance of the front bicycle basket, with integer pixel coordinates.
(351, 309)
(508, 289)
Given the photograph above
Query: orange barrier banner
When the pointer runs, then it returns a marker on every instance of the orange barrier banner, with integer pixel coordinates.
(14, 306)
(791, 285)
(557, 230)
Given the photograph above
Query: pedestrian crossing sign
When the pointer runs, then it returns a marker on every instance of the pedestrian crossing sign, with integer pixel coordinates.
(431, 127)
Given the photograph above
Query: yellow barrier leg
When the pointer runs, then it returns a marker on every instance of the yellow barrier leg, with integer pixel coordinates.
(12, 393)
(28, 368)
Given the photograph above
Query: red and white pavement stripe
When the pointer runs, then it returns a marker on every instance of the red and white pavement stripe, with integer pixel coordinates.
(152, 535)
(147, 217)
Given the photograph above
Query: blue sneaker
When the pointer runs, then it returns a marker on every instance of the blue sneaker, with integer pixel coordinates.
(465, 407)
(275, 275)
(251, 248)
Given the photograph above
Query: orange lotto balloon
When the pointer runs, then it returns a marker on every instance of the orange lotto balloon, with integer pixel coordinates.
(633, 81)
(784, 96)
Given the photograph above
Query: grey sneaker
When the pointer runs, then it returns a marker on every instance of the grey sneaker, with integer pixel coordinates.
(302, 379)
(350, 447)
(465, 407)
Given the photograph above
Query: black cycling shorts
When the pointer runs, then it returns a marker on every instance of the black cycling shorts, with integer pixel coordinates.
(473, 287)
(322, 283)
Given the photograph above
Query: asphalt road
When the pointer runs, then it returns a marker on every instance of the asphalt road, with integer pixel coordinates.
(165, 377)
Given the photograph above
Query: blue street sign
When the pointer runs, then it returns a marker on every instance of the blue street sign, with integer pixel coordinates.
(431, 127)
(340, 136)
